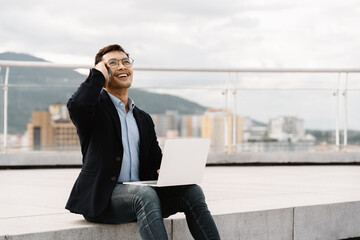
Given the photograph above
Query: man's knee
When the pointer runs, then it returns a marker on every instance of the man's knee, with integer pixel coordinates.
(147, 192)
(194, 190)
(194, 194)
(146, 195)
(193, 200)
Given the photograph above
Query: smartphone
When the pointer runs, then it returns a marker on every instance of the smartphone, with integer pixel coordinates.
(109, 73)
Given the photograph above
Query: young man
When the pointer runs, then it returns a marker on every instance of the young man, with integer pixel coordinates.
(119, 144)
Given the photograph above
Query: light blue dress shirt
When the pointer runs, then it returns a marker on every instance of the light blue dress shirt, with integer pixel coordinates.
(130, 140)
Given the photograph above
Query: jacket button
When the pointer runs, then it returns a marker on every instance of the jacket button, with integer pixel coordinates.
(118, 159)
(113, 178)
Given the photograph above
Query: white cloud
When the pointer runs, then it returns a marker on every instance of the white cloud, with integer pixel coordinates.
(213, 34)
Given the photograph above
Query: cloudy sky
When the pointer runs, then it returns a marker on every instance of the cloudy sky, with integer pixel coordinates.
(205, 33)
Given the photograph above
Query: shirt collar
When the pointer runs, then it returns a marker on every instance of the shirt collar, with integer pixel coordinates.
(117, 101)
(131, 103)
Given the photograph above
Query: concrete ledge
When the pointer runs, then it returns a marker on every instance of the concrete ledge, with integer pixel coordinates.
(271, 224)
(73, 158)
(334, 221)
(325, 222)
(285, 158)
(67, 226)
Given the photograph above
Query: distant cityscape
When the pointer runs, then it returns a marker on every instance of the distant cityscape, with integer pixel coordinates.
(53, 130)
(229, 133)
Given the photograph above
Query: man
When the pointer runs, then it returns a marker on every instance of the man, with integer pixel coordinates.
(118, 144)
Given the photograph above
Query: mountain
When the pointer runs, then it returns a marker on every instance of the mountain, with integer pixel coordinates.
(37, 88)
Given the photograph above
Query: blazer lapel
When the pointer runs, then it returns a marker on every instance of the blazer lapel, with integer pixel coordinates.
(140, 121)
(110, 108)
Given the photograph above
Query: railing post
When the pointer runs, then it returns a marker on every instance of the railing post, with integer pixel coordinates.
(227, 117)
(6, 107)
(345, 110)
(235, 114)
(336, 94)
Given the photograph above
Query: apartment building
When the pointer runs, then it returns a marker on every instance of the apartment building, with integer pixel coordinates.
(52, 130)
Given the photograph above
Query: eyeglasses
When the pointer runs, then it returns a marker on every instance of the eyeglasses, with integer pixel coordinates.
(114, 62)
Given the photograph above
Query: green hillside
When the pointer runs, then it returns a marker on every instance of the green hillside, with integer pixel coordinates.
(33, 92)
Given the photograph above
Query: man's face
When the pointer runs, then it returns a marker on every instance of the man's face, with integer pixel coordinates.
(121, 76)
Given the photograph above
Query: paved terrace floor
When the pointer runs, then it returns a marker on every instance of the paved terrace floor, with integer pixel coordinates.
(33, 200)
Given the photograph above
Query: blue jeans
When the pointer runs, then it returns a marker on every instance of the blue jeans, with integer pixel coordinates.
(148, 206)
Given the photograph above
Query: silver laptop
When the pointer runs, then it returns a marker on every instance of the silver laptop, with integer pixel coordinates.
(183, 163)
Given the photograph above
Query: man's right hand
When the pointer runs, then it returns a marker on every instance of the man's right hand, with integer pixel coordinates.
(101, 66)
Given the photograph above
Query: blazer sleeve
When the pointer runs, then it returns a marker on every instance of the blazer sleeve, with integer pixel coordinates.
(82, 104)
(155, 152)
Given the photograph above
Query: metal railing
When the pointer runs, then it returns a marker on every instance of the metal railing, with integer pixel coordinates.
(226, 90)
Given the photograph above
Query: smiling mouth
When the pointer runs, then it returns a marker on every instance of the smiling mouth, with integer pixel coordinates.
(122, 75)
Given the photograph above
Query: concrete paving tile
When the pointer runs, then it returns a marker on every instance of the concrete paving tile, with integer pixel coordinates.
(36, 193)
(20, 210)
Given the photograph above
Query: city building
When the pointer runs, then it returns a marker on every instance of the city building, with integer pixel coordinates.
(253, 131)
(286, 128)
(173, 125)
(15, 142)
(223, 128)
(166, 125)
(58, 111)
(190, 125)
(52, 130)
(282, 134)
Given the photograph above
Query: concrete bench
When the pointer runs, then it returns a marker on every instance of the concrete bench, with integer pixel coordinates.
(325, 222)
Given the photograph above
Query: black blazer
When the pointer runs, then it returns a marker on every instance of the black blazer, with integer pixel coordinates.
(98, 127)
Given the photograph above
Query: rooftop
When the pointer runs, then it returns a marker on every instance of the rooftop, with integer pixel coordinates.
(255, 200)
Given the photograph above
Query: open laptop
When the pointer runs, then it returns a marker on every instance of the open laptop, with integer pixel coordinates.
(183, 163)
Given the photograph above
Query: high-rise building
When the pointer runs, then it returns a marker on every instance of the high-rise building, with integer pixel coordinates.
(223, 128)
(190, 125)
(52, 130)
(286, 128)
(253, 131)
(58, 111)
(40, 131)
(166, 125)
